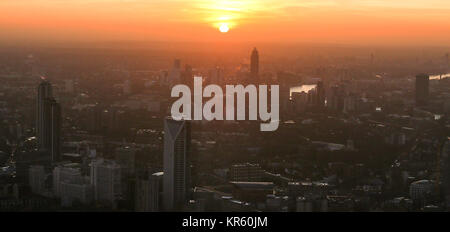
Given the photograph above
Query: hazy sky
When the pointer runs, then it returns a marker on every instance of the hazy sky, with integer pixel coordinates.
(331, 21)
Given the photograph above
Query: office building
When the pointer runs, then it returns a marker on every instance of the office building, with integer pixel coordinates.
(70, 173)
(420, 190)
(176, 163)
(106, 178)
(246, 172)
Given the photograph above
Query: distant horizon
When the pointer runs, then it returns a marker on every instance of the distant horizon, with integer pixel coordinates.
(148, 44)
(377, 22)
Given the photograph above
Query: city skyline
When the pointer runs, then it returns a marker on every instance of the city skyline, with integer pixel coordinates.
(239, 106)
(342, 138)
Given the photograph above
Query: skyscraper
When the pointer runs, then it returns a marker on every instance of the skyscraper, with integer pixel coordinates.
(44, 92)
(177, 173)
(254, 67)
(55, 130)
(422, 89)
(48, 121)
(175, 73)
(320, 98)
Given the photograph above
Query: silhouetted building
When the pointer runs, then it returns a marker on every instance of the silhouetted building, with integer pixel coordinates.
(44, 92)
(422, 89)
(335, 100)
(300, 101)
(177, 173)
(177, 63)
(48, 123)
(188, 76)
(254, 67)
(175, 73)
(216, 76)
(55, 128)
(320, 97)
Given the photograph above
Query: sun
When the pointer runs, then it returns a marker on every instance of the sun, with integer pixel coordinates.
(224, 28)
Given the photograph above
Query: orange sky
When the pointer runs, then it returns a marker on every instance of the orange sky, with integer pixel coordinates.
(329, 21)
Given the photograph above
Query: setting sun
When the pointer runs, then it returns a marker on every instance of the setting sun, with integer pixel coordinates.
(224, 28)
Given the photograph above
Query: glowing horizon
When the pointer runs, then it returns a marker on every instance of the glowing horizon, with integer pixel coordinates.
(349, 21)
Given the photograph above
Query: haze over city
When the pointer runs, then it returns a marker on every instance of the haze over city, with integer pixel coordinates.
(163, 106)
(374, 22)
